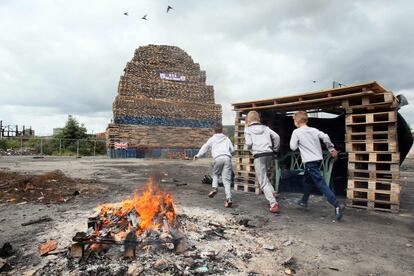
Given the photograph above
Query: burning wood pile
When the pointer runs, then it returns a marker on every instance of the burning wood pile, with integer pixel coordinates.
(146, 221)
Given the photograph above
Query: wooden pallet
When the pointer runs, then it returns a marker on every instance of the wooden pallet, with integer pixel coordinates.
(369, 102)
(371, 118)
(378, 175)
(373, 184)
(371, 135)
(379, 128)
(392, 197)
(247, 188)
(383, 167)
(374, 157)
(241, 167)
(370, 205)
(385, 146)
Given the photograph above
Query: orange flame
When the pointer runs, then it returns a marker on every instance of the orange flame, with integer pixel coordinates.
(151, 207)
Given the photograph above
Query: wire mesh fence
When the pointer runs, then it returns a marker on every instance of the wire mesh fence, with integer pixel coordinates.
(52, 146)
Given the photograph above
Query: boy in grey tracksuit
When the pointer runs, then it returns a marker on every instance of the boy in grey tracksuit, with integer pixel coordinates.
(308, 141)
(221, 150)
(263, 144)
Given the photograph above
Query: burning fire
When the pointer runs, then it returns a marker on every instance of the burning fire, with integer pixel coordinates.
(150, 211)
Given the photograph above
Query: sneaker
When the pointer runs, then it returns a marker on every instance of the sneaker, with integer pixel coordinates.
(228, 203)
(212, 193)
(339, 212)
(302, 203)
(275, 208)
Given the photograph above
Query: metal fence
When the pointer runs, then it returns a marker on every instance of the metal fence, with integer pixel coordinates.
(52, 146)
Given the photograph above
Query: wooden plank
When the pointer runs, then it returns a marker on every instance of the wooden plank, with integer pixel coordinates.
(374, 86)
(302, 103)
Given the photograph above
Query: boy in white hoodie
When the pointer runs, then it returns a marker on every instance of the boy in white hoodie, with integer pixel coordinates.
(263, 144)
(221, 150)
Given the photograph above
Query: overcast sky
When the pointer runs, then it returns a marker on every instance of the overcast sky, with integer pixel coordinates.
(60, 57)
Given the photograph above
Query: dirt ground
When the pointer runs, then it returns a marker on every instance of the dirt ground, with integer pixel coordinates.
(363, 243)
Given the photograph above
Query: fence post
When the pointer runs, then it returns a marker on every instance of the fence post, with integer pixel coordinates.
(21, 145)
(41, 146)
(94, 148)
(77, 148)
(60, 147)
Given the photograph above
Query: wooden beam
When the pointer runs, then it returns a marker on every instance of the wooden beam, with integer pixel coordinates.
(302, 103)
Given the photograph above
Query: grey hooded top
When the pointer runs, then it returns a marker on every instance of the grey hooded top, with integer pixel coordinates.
(261, 139)
(220, 146)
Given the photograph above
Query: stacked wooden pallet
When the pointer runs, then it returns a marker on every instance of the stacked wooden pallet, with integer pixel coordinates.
(373, 156)
(163, 101)
(245, 176)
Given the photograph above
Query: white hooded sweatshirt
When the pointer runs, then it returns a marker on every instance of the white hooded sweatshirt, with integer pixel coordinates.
(261, 139)
(220, 146)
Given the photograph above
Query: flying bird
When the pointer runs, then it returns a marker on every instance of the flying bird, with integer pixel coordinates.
(169, 8)
(144, 17)
(125, 13)
(314, 81)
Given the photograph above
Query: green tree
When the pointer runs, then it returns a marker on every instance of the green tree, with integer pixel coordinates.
(73, 130)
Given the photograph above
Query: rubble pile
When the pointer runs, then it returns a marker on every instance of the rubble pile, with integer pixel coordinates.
(51, 187)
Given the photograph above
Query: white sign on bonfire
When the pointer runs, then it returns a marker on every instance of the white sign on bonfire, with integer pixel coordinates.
(172, 77)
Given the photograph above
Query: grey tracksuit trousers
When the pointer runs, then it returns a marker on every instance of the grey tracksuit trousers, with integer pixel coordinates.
(262, 165)
(222, 166)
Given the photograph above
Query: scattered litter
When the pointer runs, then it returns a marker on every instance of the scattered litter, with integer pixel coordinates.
(269, 247)
(6, 250)
(39, 220)
(3, 262)
(288, 242)
(48, 246)
(245, 222)
(409, 245)
(180, 184)
(333, 268)
(201, 269)
(289, 271)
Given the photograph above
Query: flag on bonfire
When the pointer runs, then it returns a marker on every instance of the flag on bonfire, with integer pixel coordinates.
(120, 145)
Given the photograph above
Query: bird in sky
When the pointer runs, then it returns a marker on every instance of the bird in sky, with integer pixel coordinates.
(125, 13)
(144, 17)
(314, 81)
(169, 8)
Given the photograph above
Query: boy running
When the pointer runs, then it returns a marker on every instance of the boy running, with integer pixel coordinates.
(263, 143)
(221, 150)
(307, 139)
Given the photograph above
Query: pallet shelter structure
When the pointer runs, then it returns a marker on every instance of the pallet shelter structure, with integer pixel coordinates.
(363, 123)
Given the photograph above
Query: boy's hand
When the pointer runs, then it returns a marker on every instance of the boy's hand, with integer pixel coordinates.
(195, 158)
(334, 153)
